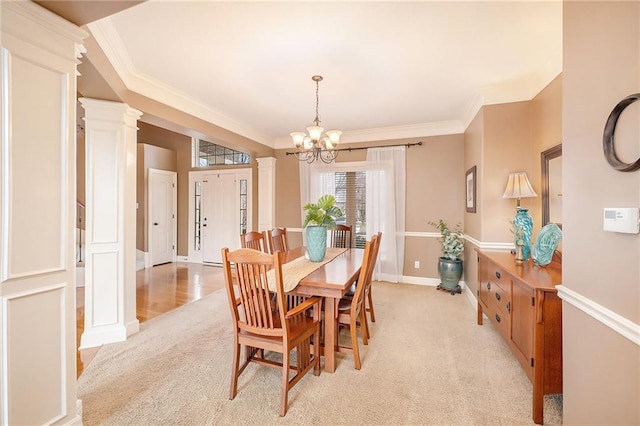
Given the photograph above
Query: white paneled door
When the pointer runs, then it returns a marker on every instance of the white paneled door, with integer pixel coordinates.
(162, 216)
(220, 215)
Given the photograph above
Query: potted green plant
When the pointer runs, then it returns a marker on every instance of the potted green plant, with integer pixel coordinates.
(320, 216)
(449, 265)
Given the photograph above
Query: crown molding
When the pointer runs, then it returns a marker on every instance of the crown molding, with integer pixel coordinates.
(109, 41)
(37, 14)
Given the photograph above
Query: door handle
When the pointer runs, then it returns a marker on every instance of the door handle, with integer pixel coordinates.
(155, 223)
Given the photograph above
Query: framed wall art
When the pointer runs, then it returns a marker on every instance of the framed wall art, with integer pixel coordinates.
(471, 190)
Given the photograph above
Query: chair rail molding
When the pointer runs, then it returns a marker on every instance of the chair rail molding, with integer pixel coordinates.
(616, 322)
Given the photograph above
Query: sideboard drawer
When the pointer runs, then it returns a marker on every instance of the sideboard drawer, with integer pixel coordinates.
(498, 276)
(501, 297)
(501, 321)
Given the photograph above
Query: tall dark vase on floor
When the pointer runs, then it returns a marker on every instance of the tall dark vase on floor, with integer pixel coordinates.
(450, 271)
(449, 265)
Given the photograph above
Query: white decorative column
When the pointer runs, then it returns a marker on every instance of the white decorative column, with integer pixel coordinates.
(110, 268)
(266, 193)
(38, 59)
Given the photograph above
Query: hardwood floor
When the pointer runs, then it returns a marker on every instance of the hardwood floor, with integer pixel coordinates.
(158, 290)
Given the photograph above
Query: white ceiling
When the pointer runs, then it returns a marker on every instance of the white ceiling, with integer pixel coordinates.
(391, 69)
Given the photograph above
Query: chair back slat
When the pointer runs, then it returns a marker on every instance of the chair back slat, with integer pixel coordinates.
(278, 240)
(341, 236)
(254, 240)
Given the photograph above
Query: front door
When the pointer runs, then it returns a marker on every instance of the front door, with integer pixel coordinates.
(220, 216)
(162, 220)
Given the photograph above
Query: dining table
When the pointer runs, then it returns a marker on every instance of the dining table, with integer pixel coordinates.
(330, 281)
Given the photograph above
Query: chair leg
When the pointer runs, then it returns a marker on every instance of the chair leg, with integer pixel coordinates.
(363, 327)
(285, 382)
(235, 364)
(354, 344)
(370, 308)
(316, 352)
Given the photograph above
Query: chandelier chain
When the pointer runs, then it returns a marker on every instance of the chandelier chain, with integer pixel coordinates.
(317, 120)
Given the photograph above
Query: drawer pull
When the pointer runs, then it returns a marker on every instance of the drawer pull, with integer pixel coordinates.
(488, 286)
(497, 317)
(509, 307)
(498, 296)
(497, 275)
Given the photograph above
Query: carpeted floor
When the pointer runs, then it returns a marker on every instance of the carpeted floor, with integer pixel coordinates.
(427, 363)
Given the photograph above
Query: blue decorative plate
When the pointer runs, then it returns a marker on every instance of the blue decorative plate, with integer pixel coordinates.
(546, 244)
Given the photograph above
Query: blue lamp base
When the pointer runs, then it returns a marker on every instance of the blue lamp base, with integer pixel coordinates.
(524, 219)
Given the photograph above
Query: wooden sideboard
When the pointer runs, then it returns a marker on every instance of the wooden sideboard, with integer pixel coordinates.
(521, 301)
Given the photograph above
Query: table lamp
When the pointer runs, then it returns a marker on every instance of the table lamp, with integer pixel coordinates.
(519, 187)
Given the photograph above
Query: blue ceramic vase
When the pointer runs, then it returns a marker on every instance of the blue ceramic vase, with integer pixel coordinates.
(523, 218)
(316, 242)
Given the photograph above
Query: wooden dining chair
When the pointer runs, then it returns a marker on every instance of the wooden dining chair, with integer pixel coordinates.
(254, 240)
(259, 326)
(351, 312)
(368, 290)
(278, 240)
(341, 236)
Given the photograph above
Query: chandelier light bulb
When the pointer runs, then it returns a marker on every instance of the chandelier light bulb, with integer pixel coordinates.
(315, 132)
(298, 138)
(334, 136)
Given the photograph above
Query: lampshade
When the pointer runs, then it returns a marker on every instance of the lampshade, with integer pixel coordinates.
(518, 187)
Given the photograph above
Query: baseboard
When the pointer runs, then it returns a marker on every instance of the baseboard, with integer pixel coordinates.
(98, 336)
(182, 258)
(408, 279)
(432, 282)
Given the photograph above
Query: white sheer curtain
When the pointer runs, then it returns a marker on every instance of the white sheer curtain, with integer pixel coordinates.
(315, 181)
(386, 182)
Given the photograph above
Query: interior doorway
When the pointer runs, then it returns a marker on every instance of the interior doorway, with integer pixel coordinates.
(161, 223)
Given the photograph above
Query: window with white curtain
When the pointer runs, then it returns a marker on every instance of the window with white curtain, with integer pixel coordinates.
(380, 207)
(347, 182)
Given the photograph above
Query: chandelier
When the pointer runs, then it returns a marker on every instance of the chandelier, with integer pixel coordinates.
(314, 145)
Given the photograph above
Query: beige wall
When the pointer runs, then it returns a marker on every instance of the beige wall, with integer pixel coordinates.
(501, 139)
(149, 157)
(546, 116)
(601, 44)
(181, 146)
(435, 189)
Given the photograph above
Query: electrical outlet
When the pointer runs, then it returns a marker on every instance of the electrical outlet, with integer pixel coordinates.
(416, 264)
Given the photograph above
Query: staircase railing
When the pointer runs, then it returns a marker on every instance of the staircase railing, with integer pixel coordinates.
(80, 230)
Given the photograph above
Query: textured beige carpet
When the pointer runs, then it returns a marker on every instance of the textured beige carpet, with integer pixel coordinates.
(427, 363)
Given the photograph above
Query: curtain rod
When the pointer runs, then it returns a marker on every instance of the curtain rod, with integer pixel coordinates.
(408, 145)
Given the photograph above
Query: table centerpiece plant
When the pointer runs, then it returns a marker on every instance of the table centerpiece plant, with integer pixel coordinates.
(449, 264)
(321, 216)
